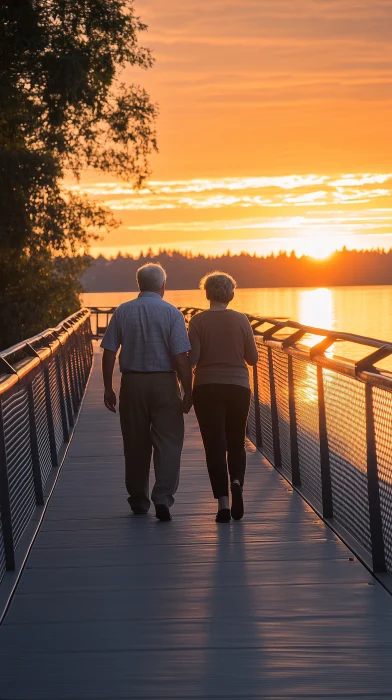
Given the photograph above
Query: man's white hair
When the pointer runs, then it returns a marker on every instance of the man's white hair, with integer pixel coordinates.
(151, 277)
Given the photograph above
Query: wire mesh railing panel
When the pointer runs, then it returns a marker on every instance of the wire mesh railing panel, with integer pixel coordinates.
(281, 378)
(73, 378)
(68, 388)
(251, 428)
(2, 552)
(382, 403)
(41, 421)
(346, 427)
(306, 403)
(64, 389)
(263, 384)
(77, 378)
(19, 461)
(55, 404)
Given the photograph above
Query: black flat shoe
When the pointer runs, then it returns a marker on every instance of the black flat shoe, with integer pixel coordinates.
(223, 516)
(237, 502)
(162, 512)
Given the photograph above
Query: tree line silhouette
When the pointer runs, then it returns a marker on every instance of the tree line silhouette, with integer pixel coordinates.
(184, 270)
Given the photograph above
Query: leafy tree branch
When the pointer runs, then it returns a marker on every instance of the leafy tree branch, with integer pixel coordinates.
(64, 107)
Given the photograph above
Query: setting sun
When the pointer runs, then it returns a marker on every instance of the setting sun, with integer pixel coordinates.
(319, 248)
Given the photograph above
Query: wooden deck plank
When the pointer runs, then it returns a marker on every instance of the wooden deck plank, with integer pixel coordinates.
(115, 607)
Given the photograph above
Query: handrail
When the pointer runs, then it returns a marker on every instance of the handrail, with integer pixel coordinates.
(255, 321)
(363, 369)
(68, 325)
(42, 382)
(13, 361)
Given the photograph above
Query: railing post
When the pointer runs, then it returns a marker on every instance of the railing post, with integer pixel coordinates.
(6, 519)
(37, 476)
(295, 471)
(60, 385)
(259, 434)
(274, 413)
(376, 532)
(49, 418)
(326, 484)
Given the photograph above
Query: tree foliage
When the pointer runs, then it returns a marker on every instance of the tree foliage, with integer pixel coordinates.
(41, 291)
(63, 108)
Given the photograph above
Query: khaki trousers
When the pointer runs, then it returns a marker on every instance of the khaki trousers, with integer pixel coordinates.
(152, 423)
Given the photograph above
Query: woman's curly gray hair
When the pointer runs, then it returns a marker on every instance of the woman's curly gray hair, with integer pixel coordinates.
(218, 286)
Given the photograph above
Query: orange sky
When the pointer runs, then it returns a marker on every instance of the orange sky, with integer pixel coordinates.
(250, 92)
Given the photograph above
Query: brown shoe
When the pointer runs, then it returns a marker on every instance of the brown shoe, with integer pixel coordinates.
(137, 510)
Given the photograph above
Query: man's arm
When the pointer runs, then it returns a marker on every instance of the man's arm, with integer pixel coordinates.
(109, 397)
(184, 372)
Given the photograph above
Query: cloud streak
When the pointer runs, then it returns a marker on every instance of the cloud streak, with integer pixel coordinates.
(282, 212)
(248, 192)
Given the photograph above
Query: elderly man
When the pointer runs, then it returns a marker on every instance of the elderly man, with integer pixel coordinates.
(154, 352)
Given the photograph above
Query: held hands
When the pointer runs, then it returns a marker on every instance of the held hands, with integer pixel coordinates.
(187, 403)
(109, 399)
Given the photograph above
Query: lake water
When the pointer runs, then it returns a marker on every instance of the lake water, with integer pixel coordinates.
(366, 311)
(362, 310)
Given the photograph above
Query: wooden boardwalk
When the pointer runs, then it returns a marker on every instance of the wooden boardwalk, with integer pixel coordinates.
(115, 607)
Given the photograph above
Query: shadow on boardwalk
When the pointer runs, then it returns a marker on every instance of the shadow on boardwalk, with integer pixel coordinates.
(112, 606)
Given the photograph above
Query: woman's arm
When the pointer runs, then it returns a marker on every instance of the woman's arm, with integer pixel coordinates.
(251, 353)
(194, 340)
(184, 374)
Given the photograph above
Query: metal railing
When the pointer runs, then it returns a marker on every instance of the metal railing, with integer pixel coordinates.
(42, 382)
(325, 422)
(100, 317)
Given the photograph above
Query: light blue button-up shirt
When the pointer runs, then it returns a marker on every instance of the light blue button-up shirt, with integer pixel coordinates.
(150, 331)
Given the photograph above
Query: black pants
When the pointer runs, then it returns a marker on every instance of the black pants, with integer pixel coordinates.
(222, 412)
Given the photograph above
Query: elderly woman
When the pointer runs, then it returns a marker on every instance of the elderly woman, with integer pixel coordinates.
(222, 345)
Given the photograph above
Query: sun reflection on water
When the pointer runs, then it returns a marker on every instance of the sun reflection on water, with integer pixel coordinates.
(317, 309)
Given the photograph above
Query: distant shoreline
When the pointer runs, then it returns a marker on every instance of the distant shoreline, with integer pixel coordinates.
(280, 286)
(345, 268)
